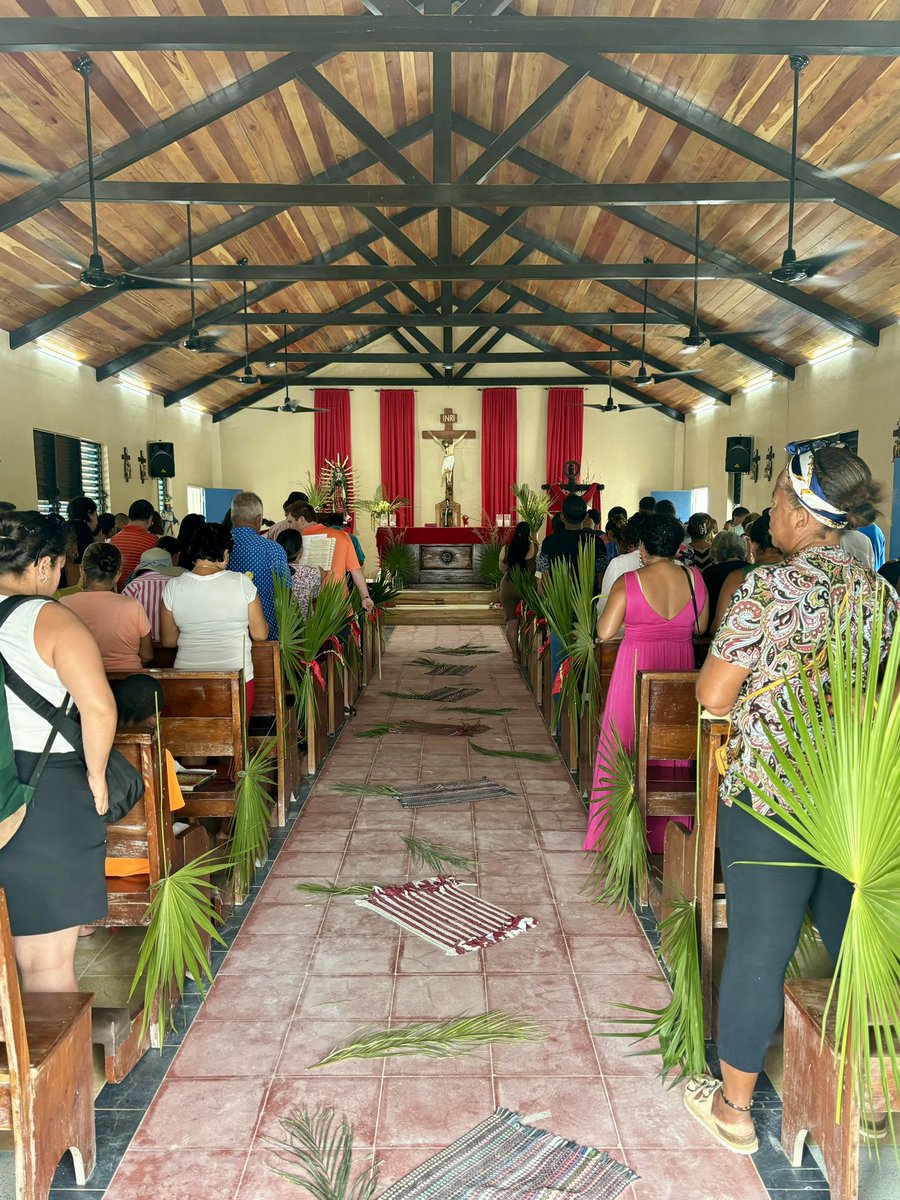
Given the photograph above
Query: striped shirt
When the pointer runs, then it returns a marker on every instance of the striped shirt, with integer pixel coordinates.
(148, 588)
(131, 544)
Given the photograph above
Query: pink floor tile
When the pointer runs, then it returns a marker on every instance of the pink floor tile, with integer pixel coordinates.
(266, 997)
(538, 949)
(617, 955)
(254, 952)
(294, 917)
(261, 1183)
(432, 1111)
(582, 918)
(283, 890)
(650, 1117)
(508, 840)
(625, 1055)
(219, 1048)
(578, 1108)
(601, 993)
(418, 957)
(567, 1049)
(203, 1114)
(320, 864)
(546, 997)
(355, 997)
(420, 997)
(374, 954)
(713, 1174)
(375, 868)
(357, 1099)
(309, 1040)
(396, 1162)
(159, 1175)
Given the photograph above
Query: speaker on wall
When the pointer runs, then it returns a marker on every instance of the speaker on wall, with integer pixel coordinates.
(161, 460)
(738, 453)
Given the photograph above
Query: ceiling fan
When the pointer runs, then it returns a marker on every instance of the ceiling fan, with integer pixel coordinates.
(288, 406)
(13, 171)
(246, 377)
(644, 378)
(695, 339)
(196, 342)
(610, 406)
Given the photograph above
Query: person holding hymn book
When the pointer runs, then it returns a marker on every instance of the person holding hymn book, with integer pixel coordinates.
(119, 624)
(305, 581)
(341, 560)
(290, 508)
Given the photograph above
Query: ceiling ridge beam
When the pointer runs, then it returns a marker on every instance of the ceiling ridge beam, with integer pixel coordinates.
(148, 141)
(207, 240)
(459, 319)
(684, 241)
(460, 356)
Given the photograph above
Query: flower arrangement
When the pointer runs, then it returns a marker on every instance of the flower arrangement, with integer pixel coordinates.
(381, 509)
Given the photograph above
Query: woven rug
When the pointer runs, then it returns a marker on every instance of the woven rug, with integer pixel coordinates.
(463, 791)
(441, 913)
(505, 1157)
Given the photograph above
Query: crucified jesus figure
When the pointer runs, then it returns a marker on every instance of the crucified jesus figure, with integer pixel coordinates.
(448, 445)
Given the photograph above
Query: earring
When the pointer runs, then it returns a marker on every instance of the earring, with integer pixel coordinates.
(43, 578)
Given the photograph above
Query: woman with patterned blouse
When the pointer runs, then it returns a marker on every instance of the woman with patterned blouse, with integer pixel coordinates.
(778, 625)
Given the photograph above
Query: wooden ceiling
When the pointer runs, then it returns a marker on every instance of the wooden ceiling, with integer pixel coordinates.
(849, 112)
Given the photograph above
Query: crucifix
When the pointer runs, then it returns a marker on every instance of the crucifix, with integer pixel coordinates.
(142, 466)
(448, 438)
(770, 459)
(754, 467)
(126, 464)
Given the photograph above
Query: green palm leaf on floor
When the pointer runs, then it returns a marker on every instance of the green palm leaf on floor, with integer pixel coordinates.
(468, 648)
(365, 789)
(620, 865)
(435, 857)
(528, 755)
(481, 712)
(322, 1153)
(382, 730)
(324, 891)
(437, 1039)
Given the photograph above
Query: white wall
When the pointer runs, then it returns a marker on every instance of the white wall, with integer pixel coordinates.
(42, 392)
(856, 390)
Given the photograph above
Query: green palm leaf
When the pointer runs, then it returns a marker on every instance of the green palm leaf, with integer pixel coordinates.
(838, 779)
(303, 638)
(532, 506)
(480, 712)
(570, 609)
(528, 755)
(324, 891)
(437, 1039)
(398, 559)
(323, 1156)
(365, 789)
(435, 857)
(620, 864)
(382, 730)
(252, 811)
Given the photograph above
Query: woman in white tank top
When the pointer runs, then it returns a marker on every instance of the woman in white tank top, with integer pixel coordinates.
(52, 868)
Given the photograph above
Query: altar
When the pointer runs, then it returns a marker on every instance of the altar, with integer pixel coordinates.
(441, 556)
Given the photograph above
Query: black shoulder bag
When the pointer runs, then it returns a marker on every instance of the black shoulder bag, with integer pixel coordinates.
(690, 579)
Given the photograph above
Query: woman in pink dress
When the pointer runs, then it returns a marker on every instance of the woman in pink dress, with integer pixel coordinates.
(662, 606)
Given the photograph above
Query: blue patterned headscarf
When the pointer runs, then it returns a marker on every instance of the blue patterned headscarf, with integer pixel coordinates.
(806, 487)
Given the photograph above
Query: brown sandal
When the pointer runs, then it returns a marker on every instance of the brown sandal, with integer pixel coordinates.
(699, 1095)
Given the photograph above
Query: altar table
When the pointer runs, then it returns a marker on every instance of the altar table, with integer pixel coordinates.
(442, 556)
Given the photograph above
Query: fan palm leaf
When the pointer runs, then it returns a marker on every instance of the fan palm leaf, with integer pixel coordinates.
(532, 506)
(252, 810)
(837, 776)
(569, 607)
(302, 638)
(322, 1152)
(620, 864)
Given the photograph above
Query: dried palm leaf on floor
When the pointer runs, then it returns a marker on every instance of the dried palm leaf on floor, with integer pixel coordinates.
(435, 857)
(322, 1154)
(679, 1025)
(437, 1039)
(382, 730)
(527, 755)
(252, 811)
(325, 891)
(620, 865)
(461, 791)
(469, 648)
(439, 668)
(437, 695)
(365, 789)
(427, 728)
(481, 712)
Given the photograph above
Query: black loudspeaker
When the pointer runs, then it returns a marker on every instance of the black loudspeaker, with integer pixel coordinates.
(161, 460)
(738, 451)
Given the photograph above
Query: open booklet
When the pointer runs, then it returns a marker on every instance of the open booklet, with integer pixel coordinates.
(318, 551)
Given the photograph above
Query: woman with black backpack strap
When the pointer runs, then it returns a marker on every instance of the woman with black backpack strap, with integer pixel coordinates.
(52, 865)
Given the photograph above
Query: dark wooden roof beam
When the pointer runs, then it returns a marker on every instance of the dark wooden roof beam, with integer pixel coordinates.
(459, 319)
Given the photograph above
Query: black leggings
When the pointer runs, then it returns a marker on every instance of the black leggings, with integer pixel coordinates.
(766, 906)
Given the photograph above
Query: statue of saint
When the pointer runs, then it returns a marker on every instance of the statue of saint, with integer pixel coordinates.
(448, 445)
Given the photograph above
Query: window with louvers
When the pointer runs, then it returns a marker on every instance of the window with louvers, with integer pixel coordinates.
(67, 467)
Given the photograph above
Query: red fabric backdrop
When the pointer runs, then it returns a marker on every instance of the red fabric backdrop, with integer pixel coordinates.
(499, 457)
(332, 428)
(565, 429)
(398, 448)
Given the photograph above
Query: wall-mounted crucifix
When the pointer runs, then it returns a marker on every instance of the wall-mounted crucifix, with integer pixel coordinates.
(126, 464)
(142, 466)
(448, 439)
(770, 459)
(754, 467)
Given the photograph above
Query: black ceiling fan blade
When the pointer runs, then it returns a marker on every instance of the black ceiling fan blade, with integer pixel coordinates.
(294, 408)
(662, 376)
(15, 171)
(852, 168)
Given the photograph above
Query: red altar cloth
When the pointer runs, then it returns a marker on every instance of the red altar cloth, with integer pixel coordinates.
(415, 535)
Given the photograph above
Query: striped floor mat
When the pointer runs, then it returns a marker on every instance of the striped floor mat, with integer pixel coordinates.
(463, 791)
(440, 912)
(505, 1157)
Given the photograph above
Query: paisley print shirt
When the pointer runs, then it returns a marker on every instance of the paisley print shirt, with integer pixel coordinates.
(781, 617)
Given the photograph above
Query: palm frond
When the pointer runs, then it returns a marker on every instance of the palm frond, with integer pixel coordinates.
(383, 589)
(252, 809)
(838, 779)
(487, 567)
(469, 648)
(398, 558)
(480, 712)
(180, 914)
(532, 506)
(302, 638)
(678, 1026)
(526, 586)
(325, 891)
(437, 1039)
(322, 1154)
(807, 949)
(436, 858)
(570, 610)
(381, 730)
(620, 863)
(528, 755)
(365, 789)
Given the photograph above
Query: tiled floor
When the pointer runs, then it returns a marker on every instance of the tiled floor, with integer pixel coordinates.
(301, 976)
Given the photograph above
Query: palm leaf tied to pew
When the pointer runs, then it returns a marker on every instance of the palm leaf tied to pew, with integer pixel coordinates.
(620, 865)
(383, 592)
(839, 784)
(252, 811)
(180, 914)
(303, 638)
(569, 607)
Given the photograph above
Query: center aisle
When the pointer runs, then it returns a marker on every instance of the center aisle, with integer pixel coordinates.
(301, 977)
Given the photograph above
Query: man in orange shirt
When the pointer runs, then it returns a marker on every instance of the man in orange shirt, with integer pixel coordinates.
(134, 539)
(344, 561)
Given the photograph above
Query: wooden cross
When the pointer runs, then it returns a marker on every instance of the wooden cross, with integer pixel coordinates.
(449, 432)
(770, 459)
(142, 463)
(754, 467)
(126, 464)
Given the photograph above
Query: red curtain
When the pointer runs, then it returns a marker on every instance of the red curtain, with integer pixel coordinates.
(331, 430)
(565, 429)
(499, 451)
(398, 448)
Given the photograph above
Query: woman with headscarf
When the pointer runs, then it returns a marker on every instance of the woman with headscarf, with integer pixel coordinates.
(777, 628)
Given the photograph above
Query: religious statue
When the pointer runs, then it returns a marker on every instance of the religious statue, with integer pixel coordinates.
(447, 512)
(448, 445)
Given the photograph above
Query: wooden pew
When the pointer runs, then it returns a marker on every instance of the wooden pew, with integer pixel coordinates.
(711, 910)
(270, 716)
(589, 733)
(46, 1077)
(203, 716)
(316, 723)
(666, 729)
(811, 1083)
(334, 694)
